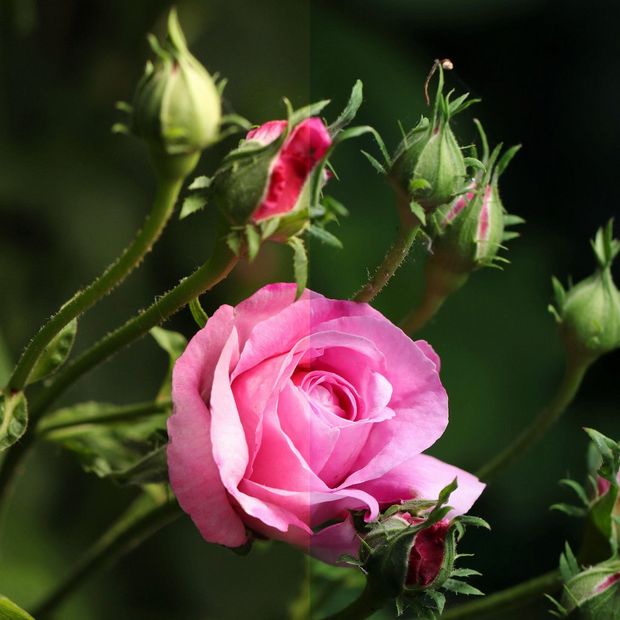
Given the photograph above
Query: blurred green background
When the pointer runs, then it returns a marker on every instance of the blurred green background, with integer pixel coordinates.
(72, 195)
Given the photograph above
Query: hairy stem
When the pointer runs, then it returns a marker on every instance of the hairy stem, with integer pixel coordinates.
(511, 598)
(574, 373)
(213, 271)
(165, 198)
(409, 226)
(143, 518)
(421, 315)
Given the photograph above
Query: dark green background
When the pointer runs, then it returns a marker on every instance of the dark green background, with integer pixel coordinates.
(72, 194)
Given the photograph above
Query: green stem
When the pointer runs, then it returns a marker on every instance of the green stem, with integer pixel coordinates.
(165, 198)
(364, 606)
(574, 373)
(418, 317)
(511, 598)
(104, 415)
(143, 518)
(213, 271)
(409, 226)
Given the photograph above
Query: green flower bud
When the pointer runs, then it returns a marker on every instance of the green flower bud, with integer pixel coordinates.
(589, 312)
(469, 232)
(594, 594)
(176, 107)
(428, 165)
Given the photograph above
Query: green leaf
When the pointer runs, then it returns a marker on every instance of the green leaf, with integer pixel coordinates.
(55, 353)
(505, 159)
(438, 599)
(233, 241)
(268, 227)
(460, 587)
(465, 572)
(374, 163)
(93, 414)
(253, 239)
(324, 236)
(10, 611)
(300, 264)
(418, 210)
(472, 162)
(173, 343)
(153, 468)
(512, 220)
(202, 182)
(419, 185)
(568, 563)
(198, 313)
(348, 114)
(193, 203)
(570, 510)
(314, 109)
(335, 207)
(105, 438)
(13, 418)
(578, 489)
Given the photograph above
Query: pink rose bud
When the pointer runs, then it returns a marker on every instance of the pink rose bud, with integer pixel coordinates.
(427, 554)
(469, 232)
(593, 593)
(293, 416)
(267, 176)
(589, 312)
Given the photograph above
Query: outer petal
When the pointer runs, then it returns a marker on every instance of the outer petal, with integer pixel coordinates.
(194, 476)
(266, 133)
(334, 541)
(423, 477)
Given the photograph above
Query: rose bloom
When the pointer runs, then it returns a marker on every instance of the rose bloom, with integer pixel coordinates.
(290, 414)
(302, 150)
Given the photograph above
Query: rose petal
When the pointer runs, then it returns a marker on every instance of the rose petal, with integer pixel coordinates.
(423, 477)
(192, 469)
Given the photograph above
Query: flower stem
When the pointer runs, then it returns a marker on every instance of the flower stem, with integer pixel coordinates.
(165, 198)
(420, 316)
(409, 226)
(574, 373)
(364, 606)
(213, 271)
(511, 598)
(143, 518)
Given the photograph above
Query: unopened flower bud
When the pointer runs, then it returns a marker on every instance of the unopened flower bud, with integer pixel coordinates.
(419, 558)
(468, 233)
(589, 312)
(593, 594)
(176, 107)
(428, 166)
(265, 181)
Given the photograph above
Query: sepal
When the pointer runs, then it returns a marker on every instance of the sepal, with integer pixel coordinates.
(588, 313)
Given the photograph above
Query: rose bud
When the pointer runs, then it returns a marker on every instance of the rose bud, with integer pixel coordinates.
(469, 232)
(428, 166)
(423, 558)
(264, 184)
(589, 312)
(594, 593)
(176, 107)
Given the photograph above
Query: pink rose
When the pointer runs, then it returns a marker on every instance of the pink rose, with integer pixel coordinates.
(290, 414)
(300, 153)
